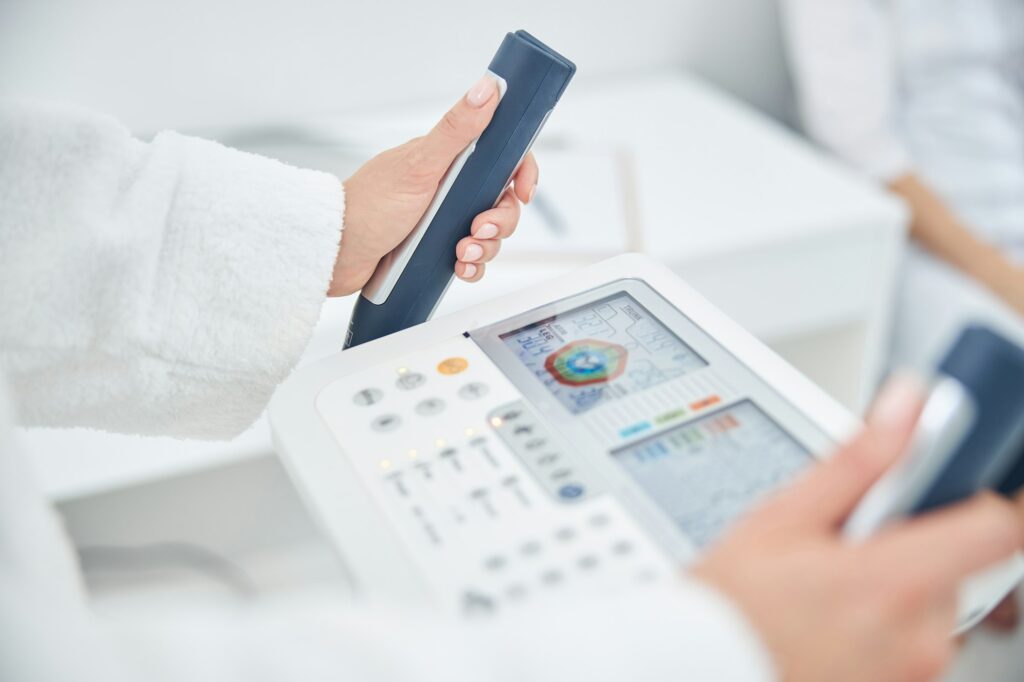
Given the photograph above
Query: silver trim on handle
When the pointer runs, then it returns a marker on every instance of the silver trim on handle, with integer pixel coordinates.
(390, 268)
(945, 421)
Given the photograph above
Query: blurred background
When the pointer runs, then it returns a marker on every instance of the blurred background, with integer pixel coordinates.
(196, 63)
(679, 137)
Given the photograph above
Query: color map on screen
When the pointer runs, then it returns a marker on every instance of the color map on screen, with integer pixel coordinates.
(601, 352)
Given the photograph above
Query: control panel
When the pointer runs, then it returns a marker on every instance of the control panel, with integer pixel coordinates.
(486, 497)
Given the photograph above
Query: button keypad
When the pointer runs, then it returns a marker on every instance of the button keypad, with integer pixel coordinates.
(526, 435)
(574, 555)
(493, 507)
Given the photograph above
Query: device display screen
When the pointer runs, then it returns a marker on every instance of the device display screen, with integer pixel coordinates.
(601, 352)
(707, 472)
(639, 401)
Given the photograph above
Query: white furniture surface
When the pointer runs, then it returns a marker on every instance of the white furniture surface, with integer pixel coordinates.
(782, 239)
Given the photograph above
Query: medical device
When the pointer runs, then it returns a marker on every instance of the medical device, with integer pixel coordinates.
(410, 281)
(970, 437)
(584, 435)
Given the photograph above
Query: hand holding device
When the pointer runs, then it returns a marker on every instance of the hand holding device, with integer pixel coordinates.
(409, 282)
(830, 609)
(387, 196)
(970, 436)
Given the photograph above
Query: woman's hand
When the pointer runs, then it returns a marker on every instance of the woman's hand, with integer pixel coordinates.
(387, 196)
(881, 610)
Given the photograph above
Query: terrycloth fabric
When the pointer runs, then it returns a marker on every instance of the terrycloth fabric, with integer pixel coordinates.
(161, 288)
(167, 288)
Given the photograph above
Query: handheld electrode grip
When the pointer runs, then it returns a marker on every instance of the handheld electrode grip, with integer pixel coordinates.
(410, 281)
(969, 437)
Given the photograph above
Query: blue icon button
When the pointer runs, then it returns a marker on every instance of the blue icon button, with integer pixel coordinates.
(634, 429)
(570, 491)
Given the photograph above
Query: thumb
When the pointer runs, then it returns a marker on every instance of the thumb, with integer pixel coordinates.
(827, 494)
(458, 127)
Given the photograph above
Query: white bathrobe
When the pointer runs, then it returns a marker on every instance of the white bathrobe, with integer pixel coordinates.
(167, 288)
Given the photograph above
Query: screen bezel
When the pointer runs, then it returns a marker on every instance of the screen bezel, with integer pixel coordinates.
(597, 456)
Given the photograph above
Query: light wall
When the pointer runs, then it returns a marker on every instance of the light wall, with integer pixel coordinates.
(198, 63)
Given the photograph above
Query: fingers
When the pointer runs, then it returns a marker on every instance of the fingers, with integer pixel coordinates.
(499, 222)
(940, 549)
(1005, 616)
(457, 128)
(827, 494)
(525, 183)
(470, 272)
(470, 250)
(487, 231)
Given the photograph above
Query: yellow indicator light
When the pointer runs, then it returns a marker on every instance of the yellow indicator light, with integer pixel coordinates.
(496, 422)
(439, 442)
(452, 366)
(403, 370)
(413, 454)
(470, 431)
(385, 464)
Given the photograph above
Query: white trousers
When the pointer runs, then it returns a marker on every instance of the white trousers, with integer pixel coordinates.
(934, 302)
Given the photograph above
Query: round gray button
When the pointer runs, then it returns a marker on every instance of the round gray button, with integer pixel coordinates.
(368, 396)
(565, 534)
(515, 591)
(530, 548)
(622, 547)
(473, 390)
(430, 407)
(495, 562)
(411, 380)
(551, 577)
(386, 422)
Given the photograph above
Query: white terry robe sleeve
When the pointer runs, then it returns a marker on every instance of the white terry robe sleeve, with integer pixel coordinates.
(156, 288)
(842, 55)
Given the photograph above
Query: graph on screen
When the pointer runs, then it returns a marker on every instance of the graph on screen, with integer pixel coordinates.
(601, 352)
(704, 474)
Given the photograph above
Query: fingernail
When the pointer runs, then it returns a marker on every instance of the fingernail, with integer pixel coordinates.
(473, 252)
(487, 231)
(533, 191)
(481, 92)
(898, 403)
(469, 270)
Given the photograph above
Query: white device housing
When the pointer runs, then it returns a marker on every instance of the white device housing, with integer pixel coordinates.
(449, 470)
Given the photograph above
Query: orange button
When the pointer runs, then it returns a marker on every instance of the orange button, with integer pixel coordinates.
(452, 366)
(706, 402)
